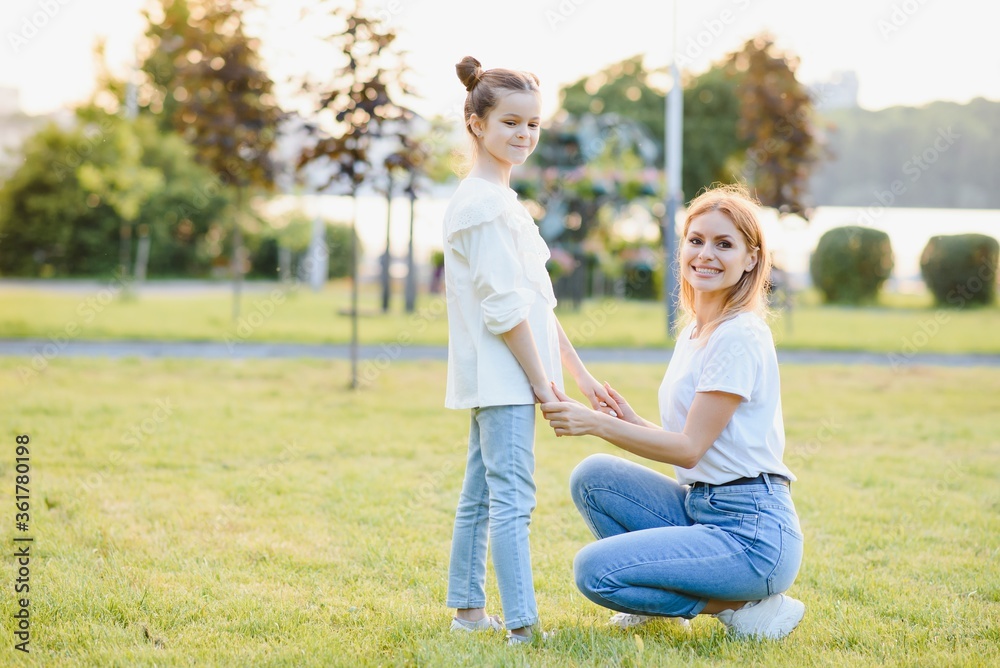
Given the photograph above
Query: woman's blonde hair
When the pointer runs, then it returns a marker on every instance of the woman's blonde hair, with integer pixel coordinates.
(750, 292)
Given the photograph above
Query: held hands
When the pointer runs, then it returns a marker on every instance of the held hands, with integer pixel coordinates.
(624, 411)
(544, 393)
(598, 395)
(568, 417)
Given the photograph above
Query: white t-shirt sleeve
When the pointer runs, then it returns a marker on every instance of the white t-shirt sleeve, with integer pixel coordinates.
(732, 363)
(496, 273)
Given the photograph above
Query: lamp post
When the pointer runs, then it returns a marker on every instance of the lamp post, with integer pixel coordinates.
(672, 152)
(411, 278)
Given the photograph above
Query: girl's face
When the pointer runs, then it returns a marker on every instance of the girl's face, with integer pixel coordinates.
(714, 255)
(509, 133)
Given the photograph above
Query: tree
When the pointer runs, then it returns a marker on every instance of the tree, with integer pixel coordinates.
(406, 165)
(172, 43)
(359, 97)
(185, 214)
(622, 88)
(294, 235)
(124, 184)
(711, 112)
(747, 119)
(440, 150)
(219, 99)
(48, 224)
(603, 151)
(776, 122)
(590, 170)
(713, 151)
(56, 211)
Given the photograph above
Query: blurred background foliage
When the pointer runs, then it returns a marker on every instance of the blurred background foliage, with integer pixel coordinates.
(185, 156)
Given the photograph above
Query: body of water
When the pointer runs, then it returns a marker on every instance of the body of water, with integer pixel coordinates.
(909, 231)
(791, 239)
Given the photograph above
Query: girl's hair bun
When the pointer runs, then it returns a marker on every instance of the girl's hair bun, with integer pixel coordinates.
(469, 72)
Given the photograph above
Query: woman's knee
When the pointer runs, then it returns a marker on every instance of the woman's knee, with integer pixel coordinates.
(592, 469)
(588, 569)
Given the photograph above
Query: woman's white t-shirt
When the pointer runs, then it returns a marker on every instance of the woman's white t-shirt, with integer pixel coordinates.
(738, 358)
(495, 277)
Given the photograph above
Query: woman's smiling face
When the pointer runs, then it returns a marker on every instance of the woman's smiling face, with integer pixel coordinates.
(715, 254)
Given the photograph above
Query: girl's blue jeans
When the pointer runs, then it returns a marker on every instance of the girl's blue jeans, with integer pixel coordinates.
(498, 496)
(667, 549)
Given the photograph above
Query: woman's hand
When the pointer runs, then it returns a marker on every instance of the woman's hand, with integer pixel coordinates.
(598, 396)
(570, 418)
(624, 411)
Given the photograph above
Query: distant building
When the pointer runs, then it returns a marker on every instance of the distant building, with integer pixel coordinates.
(840, 91)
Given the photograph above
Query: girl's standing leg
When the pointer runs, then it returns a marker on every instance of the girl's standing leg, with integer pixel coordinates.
(507, 434)
(467, 569)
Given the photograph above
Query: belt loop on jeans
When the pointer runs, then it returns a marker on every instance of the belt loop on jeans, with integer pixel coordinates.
(767, 481)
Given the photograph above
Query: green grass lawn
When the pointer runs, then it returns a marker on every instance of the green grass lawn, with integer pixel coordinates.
(239, 513)
(901, 324)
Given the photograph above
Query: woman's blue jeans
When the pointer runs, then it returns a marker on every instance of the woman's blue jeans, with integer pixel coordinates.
(667, 549)
(498, 496)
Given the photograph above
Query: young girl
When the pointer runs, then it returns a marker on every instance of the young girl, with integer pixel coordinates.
(504, 349)
(724, 539)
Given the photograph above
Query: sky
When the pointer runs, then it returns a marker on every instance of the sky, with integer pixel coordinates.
(904, 52)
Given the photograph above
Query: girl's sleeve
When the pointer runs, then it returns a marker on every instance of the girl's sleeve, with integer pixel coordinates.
(496, 273)
(732, 361)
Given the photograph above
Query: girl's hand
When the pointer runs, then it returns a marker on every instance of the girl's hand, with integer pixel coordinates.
(544, 393)
(625, 411)
(568, 417)
(597, 395)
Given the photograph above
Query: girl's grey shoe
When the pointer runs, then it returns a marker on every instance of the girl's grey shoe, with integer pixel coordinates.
(488, 623)
(513, 639)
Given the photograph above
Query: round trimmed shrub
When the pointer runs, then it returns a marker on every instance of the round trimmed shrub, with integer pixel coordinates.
(851, 263)
(961, 269)
(643, 280)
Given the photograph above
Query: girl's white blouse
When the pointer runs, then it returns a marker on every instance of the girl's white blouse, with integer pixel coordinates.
(495, 277)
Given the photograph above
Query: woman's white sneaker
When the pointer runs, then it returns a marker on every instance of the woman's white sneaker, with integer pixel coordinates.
(773, 617)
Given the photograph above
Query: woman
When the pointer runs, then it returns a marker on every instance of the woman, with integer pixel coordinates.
(724, 539)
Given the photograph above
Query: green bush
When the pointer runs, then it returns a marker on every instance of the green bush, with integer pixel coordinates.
(437, 259)
(961, 269)
(643, 280)
(61, 209)
(338, 240)
(851, 263)
(296, 236)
